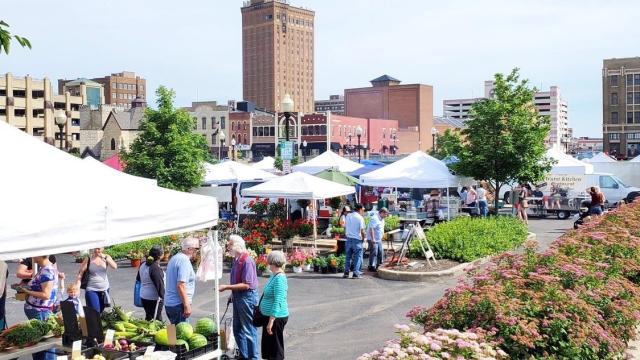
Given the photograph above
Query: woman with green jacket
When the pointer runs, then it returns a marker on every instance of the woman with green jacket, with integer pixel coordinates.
(274, 305)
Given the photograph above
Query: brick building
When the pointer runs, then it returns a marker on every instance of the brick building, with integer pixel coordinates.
(335, 104)
(277, 54)
(120, 89)
(411, 105)
(211, 119)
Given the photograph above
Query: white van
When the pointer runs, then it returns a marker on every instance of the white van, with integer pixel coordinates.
(224, 193)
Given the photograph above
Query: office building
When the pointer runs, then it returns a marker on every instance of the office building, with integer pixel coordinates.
(335, 104)
(211, 119)
(277, 54)
(122, 88)
(621, 107)
(93, 92)
(549, 103)
(411, 105)
(30, 105)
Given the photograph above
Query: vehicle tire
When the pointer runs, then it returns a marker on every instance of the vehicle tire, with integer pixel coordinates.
(632, 196)
(563, 215)
(507, 197)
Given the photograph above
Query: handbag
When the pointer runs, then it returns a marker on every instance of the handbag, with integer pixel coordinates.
(259, 319)
(84, 280)
(137, 300)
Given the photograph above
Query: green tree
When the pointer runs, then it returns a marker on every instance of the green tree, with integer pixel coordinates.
(5, 38)
(167, 149)
(447, 144)
(504, 139)
(278, 161)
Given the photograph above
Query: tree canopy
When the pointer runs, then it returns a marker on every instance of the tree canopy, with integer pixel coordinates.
(6, 37)
(167, 149)
(447, 144)
(504, 141)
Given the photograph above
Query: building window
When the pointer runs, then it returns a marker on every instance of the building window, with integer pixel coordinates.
(272, 131)
(629, 98)
(629, 79)
(614, 98)
(614, 117)
(213, 122)
(141, 87)
(304, 131)
(261, 131)
(114, 95)
(213, 139)
(614, 136)
(629, 117)
(323, 129)
(222, 122)
(637, 117)
(255, 131)
(633, 136)
(113, 144)
(204, 122)
(636, 98)
(636, 79)
(613, 80)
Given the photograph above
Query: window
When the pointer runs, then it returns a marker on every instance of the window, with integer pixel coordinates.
(213, 122)
(244, 125)
(607, 182)
(113, 144)
(272, 131)
(633, 136)
(222, 122)
(636, 98)
(304, 130)
(141, 87)
(114, 95)
(614, 98)
(114, 85)
(614, 117)
(255, 131)
(204, 122)
(636, 79)
(629, 117)
(637, 117)
(629, 79)
(614, 136)
(261, 131)
(213, 139)
(613, 80)
(323, 129)
(629, 98)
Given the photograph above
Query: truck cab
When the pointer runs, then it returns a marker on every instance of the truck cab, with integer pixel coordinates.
(613, 188)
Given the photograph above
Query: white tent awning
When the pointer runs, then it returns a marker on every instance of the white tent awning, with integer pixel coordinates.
(327, 160)
(599, 158)
(299, 185)
(230, 172)
(54, 202)
(418, 170)
(567, 164)
(266, 164)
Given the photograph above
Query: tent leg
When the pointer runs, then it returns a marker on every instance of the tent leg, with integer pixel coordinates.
(448, 206)
(315, 226)
(216, 282)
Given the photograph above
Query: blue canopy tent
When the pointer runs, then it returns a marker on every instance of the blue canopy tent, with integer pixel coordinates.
(369, 166)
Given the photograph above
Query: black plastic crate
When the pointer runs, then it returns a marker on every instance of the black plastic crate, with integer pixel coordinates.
(119, 354)
(182, 353)
(116, 355)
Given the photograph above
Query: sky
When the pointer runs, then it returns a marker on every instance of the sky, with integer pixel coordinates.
(195, 46)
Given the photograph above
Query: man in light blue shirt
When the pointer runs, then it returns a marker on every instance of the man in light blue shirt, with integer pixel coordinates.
(354, 231)
(181, 282)
(375, 231)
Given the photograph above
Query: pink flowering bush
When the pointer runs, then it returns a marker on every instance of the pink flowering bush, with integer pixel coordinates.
(437, 344)
(578, 300)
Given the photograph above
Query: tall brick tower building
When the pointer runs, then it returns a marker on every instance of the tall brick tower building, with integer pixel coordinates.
(277, 54)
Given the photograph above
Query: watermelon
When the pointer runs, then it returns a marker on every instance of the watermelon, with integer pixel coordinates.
(206, 327)
(184, 330)
(197, 341)
(162, 337)
(182, 342)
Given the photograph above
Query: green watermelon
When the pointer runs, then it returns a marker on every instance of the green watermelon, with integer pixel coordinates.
(184, 330)
(197, 341)
(206, 327)
(162, 337)
(182, 342)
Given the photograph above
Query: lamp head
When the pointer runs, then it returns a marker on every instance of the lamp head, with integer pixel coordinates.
(233, 142)
(434, 131)
(358, 131)
(222, 136)
(304, 143)
(287, 103)
(60, 117)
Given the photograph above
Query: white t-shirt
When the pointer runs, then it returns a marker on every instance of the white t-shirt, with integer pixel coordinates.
(482, 194)
(354, 224)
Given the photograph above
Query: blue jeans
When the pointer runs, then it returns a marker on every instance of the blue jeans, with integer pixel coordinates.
(40, 315)
(175, 313)
(484, 207)
(376, 254)
(95, 299)
(354, 249)
(244, 332)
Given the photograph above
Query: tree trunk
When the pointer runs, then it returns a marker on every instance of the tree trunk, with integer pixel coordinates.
(496, 198)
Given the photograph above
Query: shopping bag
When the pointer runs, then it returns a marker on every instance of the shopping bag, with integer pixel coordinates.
(137, 300)
(210, 266)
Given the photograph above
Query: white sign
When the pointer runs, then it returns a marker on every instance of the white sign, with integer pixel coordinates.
(108, 338)
(286, 166)
(286, 150)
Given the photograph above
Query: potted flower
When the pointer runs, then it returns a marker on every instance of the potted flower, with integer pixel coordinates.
(297, 258)
(307, 262)
(332, 262)
(316, 266)
(135, 256)
(261, 264)
(341, 260)
(322, 263)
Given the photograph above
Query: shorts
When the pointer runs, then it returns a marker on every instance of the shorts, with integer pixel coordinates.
(596, 210)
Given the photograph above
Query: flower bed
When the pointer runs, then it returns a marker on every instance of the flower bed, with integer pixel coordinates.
(466, 239)
(578, 300)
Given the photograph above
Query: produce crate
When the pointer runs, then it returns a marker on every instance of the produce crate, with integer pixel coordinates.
(91, 352)
(182, 353)
(120, 354)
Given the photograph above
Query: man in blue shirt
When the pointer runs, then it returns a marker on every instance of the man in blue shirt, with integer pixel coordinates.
(354, 231)
(181, 282)
(375, 231)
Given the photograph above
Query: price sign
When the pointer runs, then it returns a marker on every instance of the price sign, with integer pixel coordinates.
(286, 150)
(286, 166)
(76, 348)
(108, 337)
(149, 350)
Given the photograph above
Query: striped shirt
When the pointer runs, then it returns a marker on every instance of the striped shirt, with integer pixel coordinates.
(274, 297)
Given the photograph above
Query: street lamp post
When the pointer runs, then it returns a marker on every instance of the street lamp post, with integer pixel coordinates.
(359, 135)
(364, 149)
(304, 150)
(434, 132)
(233, 149)
(222, 138)
(61, 121)
(381, 148)
(287, 108)
(394, 144)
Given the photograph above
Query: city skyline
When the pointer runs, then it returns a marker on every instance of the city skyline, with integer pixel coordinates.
(197, 50)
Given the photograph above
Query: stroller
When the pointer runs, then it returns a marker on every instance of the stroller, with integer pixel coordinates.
(583, 213)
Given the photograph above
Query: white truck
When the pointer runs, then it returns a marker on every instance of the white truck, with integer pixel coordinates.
(227, 193)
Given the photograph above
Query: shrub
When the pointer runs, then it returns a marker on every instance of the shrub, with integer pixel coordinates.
(466, 239)
(122, 251)
(391, 222)
(578, 300)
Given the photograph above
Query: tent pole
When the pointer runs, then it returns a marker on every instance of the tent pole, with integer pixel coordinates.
(315, 228)
(216, 282)
(448, 206)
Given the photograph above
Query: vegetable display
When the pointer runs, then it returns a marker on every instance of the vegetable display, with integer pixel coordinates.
(130, 328)
(23, 334)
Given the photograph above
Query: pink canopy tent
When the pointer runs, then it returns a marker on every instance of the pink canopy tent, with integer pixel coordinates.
(114, 162)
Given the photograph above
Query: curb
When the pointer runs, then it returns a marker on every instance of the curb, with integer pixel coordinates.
(424, 276)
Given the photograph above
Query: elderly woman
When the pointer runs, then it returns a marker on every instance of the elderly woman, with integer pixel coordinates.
(41, 296)
(274, 305)
(97, 291)
(243, 285)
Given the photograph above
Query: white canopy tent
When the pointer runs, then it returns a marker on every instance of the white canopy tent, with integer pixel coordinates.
(266, 164)
(56, 203)
(635, 159)
(230, 172)
(100, 168)
(327, 160)
(567, 164)
(417, 170)
(599, 158)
